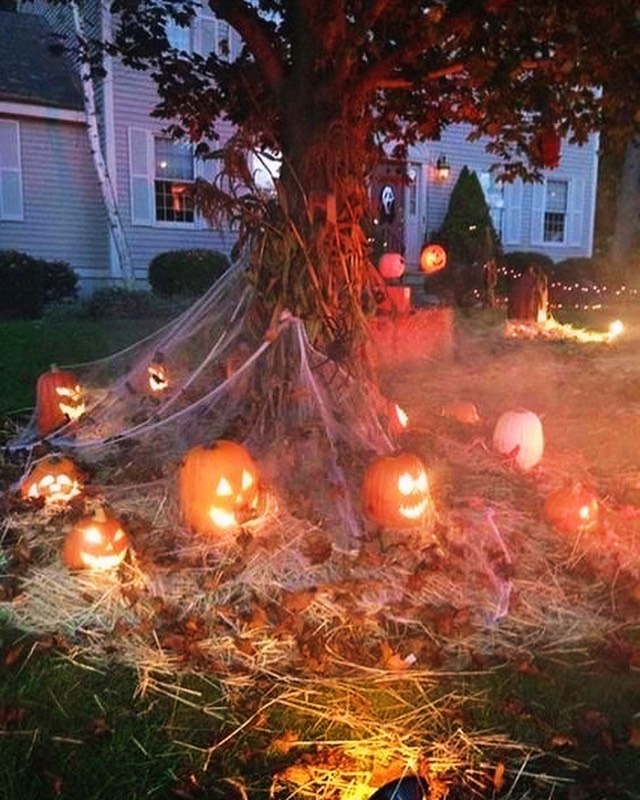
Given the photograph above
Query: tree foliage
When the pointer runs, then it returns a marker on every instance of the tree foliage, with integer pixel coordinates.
(329, 83)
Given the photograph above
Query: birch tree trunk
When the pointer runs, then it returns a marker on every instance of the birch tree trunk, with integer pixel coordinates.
(106, 185)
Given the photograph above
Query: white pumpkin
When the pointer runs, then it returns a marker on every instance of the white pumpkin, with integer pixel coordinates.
(519, 434)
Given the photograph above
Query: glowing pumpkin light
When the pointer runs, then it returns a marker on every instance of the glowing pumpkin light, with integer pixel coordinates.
(519, 435)
(572, 508)
(219, 487)
(98, 542)
(395, 491)
(433, 258)
(391, 266)
(158, 377)
(398, 418)
(59, 400)
(55, 479)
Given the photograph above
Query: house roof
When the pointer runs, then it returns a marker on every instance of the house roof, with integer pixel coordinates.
(33, 67)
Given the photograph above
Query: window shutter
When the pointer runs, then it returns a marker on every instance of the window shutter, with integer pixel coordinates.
(512, 213)
(206, 36)
(575, 211)
(537, 213)
(141, 177)
(11, 206)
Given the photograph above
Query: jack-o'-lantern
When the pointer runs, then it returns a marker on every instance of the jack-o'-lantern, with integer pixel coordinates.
(219, 487)
(463, 411)
(395, 491)
(55, 479)
(572, 508)
(519, 435)
(158, 377)
(433, 258)
(59, 399)
(98, 542)
(398, 418)
(391, 266)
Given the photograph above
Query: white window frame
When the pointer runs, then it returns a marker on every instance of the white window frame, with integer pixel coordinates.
(142, 177)
(172, 223)
(494, 194)
(11, 172)
(573, 234)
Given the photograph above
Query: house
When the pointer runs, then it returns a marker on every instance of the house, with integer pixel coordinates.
(51, 203)
(554, 217)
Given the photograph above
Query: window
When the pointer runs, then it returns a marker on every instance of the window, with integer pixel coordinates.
(10, 171)
(174, 175)
(179, 37)
(494, 195)
(555, 211)
(216, 37)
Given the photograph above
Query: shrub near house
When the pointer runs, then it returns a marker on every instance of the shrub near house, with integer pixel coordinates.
(29, 284)
(186, 272)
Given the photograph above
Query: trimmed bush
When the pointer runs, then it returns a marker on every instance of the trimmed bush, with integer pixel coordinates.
(116, 301)
(186, 272)
(519, 260)
(29, 284)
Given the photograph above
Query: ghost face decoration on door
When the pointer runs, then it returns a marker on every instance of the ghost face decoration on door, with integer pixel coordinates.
(395, 491)
(387, 204)
(218, 487)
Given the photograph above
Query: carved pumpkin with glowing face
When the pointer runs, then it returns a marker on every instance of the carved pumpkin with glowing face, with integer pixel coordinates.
(96, 542)
(59, 399)
(433, 258)
(55, 479)
(572, 508)
(157, 377)
(219, 487)
(395, 491)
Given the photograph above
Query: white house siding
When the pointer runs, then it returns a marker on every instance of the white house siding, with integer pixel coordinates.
(578, 165)
(63, 217)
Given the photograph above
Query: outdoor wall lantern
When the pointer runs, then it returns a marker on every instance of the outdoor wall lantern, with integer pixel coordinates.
(443, 170)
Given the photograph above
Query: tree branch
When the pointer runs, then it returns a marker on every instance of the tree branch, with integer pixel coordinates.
(256, 34)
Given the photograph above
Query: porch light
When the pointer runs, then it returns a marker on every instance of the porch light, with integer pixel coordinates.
(443, 170)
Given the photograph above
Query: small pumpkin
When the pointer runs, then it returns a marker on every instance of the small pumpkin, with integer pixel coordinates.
(98, 542)
(219, 487)
(397, 417)
(391, 266)
(519, 435)
(55, 479)
(395, 491)
(157, 377)
(463, 411)
(433, 258)
(59, 399)
(572, 508)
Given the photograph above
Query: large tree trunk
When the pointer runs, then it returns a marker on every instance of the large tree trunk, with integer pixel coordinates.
(627, 224)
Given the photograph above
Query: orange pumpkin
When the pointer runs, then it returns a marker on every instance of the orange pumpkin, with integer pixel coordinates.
(219, 487)
(433, 258)
(96, 542)
(54, 478)
(519, 435)
(398, 418)
(463, 411)
(157, 377)
(572, 508)
(395, 491)
(59, 399)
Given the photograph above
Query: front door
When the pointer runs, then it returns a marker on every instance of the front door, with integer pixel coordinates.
(414, 214)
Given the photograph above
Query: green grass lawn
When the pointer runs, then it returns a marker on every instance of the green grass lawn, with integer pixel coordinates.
(29, 347)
